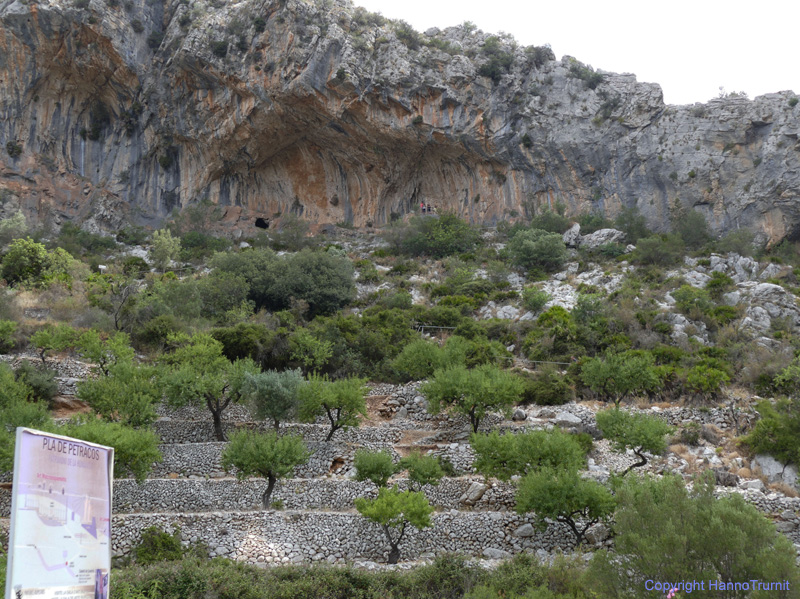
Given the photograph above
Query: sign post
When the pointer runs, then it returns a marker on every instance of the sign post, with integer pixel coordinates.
(59, 545)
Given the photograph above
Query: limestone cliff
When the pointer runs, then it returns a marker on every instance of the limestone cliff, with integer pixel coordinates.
(112, 111)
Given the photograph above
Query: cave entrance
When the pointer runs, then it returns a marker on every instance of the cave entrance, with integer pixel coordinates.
(262, 223)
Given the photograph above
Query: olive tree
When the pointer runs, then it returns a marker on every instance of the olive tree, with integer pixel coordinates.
(264, 454)
(273, 395)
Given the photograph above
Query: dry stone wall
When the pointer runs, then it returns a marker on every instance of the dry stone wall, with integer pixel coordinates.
(298, 537)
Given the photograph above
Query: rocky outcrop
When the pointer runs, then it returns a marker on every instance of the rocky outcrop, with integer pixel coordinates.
(129, 110)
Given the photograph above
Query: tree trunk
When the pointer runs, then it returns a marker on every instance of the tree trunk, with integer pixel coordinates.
(394, 552)
(219, 432)
(474, 420)
(268, 493)
(394, 555)
(642, 462)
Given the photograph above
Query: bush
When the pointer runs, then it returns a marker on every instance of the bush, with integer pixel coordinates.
(552, 222)
(693, 229)
(322, 279)
(8, 329)
(137, 26)
(41, 381)
(740, 242)
(436, 237)
(536, 248)
(219, 49)
(158, 545)
(154, 39)
(666, 250)
(374, 466)
(13, 149)
(498, 63)
(708, 539)
(534, 299)
(633, 224)
(27, 261)
(777, 433)
(548, 387)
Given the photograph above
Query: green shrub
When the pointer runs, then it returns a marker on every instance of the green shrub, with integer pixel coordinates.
(154, 40)
(219, 49)
(41, 381)
(13, 149)
(158, 545)
(592, 221)
(689, 299)
(777, 432)
(374, 466)
(534, 299)
(633, 224)
(8, 329)
(739, 242)
(793, 102)
(723, 539)
(548, 387)
(536, 248)
(692, 229)
(665, 250)
(436, 237)
(498, 62)
(706, 380)
(591, 78)
(552, 222)
(718, 284)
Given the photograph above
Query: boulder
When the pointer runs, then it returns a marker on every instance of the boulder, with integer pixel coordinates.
(526, 530)
(774, 471)
(572, 236)
(473, 494)
(494, 553)
(752, 484)
(601, 237)
(597, 534)
(725, 478)
(519, 415)
(567, 419)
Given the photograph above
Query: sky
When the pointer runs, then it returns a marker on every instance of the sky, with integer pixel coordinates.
(690, 48)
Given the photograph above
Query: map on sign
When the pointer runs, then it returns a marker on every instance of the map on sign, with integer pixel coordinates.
(60, 542)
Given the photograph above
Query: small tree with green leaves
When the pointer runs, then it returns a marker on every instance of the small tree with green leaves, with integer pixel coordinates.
(619, 376)
(394, 510)
(503, 456)
(562, 495)
(473, 392)
(105, 352)
(639, 432)
(53, 338)
(8, 329)
(266, 455)
(313, 353)
(777, 432)
(537, 249)
(198, 373)
(422, 470)
(128, 393)
(273, 395)
(374, 466)
(165, 248)
(342, 401)
(135, 450)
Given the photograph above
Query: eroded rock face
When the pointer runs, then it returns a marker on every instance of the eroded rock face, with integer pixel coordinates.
(284, 106)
